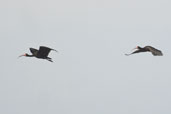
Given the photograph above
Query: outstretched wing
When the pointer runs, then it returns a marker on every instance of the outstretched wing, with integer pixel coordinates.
(44, 51)
(154, 51)
(33, 51)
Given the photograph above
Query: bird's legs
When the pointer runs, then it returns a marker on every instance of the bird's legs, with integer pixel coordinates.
(49, 59)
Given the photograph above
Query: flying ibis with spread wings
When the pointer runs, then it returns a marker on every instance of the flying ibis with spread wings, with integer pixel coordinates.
(42, 53)
(151, 49)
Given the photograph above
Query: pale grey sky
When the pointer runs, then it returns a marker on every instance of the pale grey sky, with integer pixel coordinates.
(90, 74)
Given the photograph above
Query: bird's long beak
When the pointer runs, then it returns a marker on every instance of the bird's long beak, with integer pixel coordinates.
(22, 55)
(134, 48)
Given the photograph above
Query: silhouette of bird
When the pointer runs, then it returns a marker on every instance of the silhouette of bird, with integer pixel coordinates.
(42, 53)
(151, 49)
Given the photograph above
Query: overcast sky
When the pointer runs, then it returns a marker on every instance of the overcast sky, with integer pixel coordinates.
(90, 74)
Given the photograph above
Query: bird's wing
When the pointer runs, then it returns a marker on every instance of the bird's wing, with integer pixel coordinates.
(154, 51)
(33, 51)
(44, 51)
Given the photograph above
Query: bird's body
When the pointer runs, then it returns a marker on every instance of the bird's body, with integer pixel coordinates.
(151, 49)
(42, 53)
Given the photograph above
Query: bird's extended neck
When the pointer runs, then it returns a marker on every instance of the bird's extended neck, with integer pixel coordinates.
(138, 47)
(27, 55)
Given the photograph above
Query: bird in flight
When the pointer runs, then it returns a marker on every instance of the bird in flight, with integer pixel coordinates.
(151, 49)
(42, 53)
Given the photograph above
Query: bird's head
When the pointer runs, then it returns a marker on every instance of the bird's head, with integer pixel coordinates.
(137, 47)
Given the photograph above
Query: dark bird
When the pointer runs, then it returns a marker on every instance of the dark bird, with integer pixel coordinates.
(151, 49)
(42, 53)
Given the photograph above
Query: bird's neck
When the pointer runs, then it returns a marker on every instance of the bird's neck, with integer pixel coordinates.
(140, 48)
(27, 55)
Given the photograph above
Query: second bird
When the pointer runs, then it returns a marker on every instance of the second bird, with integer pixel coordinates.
(151, 49)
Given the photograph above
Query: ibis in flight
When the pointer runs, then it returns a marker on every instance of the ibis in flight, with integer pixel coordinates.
(42, 53)
(151, 49)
